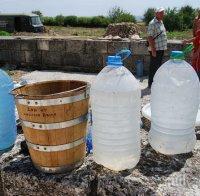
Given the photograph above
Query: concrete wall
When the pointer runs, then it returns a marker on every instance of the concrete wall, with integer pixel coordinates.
(72, 54)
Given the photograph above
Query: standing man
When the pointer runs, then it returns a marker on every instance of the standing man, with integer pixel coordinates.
(157, 39)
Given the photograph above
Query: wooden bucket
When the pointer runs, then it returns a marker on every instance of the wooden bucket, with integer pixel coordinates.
(53, 115)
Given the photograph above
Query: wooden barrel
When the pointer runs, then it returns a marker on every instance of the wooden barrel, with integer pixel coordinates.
(53, 115)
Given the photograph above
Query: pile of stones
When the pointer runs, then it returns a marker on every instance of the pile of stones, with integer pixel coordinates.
(122, 30)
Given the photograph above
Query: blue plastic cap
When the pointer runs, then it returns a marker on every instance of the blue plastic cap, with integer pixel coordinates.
(179, 55)
(114, 61)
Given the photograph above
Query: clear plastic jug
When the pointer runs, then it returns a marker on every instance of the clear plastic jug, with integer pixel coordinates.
(174, 106)
(115, 101)
(7, 113)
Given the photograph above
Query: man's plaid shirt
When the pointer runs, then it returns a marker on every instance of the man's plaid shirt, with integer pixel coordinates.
(155, 28)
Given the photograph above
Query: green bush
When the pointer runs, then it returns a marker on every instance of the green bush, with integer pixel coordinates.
(74, 21)
(4, 33)
(100, 21)
(49, 21)
(59, 20)
(84, 21)
(116, 14)
(70, 21)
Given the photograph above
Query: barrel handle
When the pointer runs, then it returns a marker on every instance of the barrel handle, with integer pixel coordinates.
(23, 96)
(18, 96)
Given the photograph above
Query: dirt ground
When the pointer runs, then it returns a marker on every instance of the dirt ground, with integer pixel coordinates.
(58, 31)
(14, 73)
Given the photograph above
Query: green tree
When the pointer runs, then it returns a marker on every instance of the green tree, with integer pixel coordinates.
(187, 14)
(116, 14)
(173, 20)
(149, 15)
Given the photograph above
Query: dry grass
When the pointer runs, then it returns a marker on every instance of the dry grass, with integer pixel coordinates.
(77, 31)
(58, 31)
(99, 32)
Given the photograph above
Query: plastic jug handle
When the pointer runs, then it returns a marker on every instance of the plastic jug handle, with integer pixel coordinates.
(188, 49)
(125, 53)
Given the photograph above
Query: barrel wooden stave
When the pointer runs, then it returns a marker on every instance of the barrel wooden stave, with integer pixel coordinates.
(54, 114)
(55, 136)
(59, 158)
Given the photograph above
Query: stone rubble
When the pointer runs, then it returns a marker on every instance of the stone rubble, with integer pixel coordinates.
(122, 30)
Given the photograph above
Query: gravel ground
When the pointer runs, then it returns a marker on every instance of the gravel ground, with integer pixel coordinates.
(38, 76)
(155, 174)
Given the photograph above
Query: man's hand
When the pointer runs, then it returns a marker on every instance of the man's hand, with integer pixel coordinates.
(184, 42)
(187, 41)
(153, 51)
(152, 45)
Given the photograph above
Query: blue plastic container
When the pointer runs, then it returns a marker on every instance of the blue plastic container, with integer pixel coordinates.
(89, 146)
(139, 68)
(7, 113)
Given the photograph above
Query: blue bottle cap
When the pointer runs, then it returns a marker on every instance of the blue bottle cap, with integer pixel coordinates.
(114, 61)
(177, 55)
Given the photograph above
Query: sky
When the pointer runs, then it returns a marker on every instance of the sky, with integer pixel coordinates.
(89, 7)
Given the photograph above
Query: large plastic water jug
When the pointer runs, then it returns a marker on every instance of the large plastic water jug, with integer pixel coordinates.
(7, 113)
(115, 101)
(174, 106)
